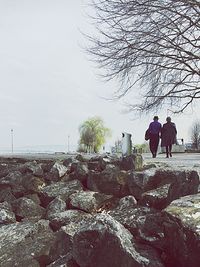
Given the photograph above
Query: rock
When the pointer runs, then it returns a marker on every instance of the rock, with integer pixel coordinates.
(65, 261)
(7, 216)
(88, 201)
(32, 167)
(25, 244)
(34, 197)
(181, 228)
(6, 194)
(4, 169)
(110, 181)
(62, 189)
(66, 217)
(62, 169)
(136, 182)
(14, 180)
(127, 202)
(186, 183)
(169, 176)
(33, 184)
(57, 205)
(157, 198)
(102, 241)
(52, 175)
(80, 172)
(67, 162)
(132, 162)
(26, 208)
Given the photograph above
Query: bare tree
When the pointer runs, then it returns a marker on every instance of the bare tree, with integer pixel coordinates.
(195, 134)
(152, 45)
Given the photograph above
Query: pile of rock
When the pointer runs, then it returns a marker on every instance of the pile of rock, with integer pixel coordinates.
(98, 211)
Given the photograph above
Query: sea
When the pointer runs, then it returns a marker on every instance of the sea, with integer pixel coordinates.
(49, 149)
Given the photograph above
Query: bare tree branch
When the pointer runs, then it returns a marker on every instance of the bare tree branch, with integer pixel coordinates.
(150, 45)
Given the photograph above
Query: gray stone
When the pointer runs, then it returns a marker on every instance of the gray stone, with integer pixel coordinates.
(182, 232)
(110, 181)
(7, 216)
(62, 189)
(25, 244)
(157, 198)
(55, 206)
(65, 217)
(62, 169)
(25, 208)
(102, 241)
(88, 201)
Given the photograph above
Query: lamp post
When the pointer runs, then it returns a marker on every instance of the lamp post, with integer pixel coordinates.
(68, 143)
(12, 140)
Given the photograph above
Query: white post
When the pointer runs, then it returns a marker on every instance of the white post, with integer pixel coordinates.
(12, 140)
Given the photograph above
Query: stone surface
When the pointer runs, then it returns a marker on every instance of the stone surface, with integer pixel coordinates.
(157, 198)
(110, 181)
(182, 232)
(62, 189)
(7, 216)
(88, 201)
(25, 244)
(27, 208)
(102, 241)
(65, 217)
(57, 205)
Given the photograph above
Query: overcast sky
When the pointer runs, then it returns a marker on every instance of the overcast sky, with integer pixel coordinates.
(48, 87)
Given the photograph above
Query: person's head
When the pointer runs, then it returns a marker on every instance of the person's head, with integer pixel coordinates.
(168, 119)
(155, 118)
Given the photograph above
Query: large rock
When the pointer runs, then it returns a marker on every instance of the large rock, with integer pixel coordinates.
(144, 223)
(62, 169)
(25, 244)
(66, 217)
(132, 162)
(27, 208)
(88, 201)
(64, 261)
(102, 241)
(6, 214)
(55, 206)
(62, 189)
(79, 171)
(181, 227)
(14, 180)
(157, 198)
(110, 181)
(32, 167)
(33, 184)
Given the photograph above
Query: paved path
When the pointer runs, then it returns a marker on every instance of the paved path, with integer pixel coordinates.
(179, 160)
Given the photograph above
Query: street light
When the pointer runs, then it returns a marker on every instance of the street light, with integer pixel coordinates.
(12, 140)
(68, 143)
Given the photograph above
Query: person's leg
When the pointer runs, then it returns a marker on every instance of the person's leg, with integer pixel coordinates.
(167, 151)
(151, 145)
(170, 150)
(156, 144)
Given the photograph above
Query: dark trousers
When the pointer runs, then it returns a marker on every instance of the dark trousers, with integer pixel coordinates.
(169, 150)
(153, 143)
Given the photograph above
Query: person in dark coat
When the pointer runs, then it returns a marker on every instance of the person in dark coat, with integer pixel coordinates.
(168, 136)
(154, 132)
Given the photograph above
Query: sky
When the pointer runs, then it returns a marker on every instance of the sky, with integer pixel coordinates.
(48, 85)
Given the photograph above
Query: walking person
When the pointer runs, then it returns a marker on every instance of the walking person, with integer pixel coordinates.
(154, 134)
(168, 136)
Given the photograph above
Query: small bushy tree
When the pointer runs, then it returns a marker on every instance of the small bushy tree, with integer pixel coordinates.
(93, 134)
(195, 134)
